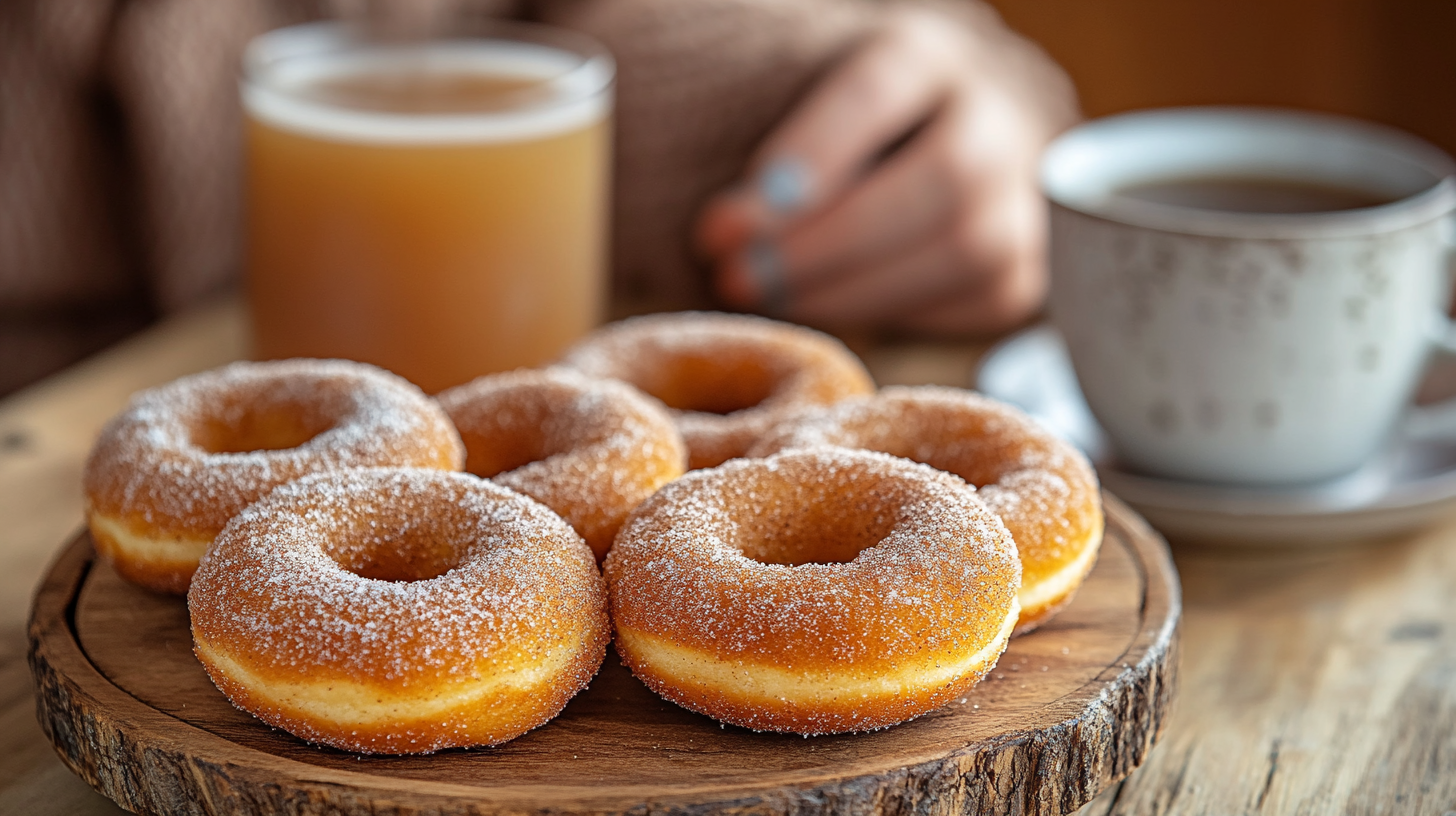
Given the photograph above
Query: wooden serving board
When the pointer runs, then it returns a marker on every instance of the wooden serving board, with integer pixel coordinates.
(1069, 709)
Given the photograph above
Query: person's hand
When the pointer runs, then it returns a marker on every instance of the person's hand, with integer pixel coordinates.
(902, 192)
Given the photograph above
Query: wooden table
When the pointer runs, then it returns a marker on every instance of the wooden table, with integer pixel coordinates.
(1311, 682)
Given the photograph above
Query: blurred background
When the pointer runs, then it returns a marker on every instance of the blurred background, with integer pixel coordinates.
(1391, 61)
(74, 73)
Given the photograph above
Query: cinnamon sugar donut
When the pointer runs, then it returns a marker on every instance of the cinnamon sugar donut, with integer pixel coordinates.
(727, 378)
(815, 591)
(399, 611)
(589, 449)
(182, 459)
(1043, 488)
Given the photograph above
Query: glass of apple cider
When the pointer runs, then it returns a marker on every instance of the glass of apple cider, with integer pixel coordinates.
(436, 207)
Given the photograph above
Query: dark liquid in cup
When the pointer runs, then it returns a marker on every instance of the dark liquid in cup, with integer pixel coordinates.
(1253, 195)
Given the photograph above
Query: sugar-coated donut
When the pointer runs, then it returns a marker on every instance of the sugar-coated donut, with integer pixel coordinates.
(815, 591)
(728, 378)
(392, 610)
(172, 469)
(589, 449)
(1043, 488)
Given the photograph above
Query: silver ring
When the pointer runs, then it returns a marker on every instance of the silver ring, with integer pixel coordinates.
(784, 185)
(766, 267)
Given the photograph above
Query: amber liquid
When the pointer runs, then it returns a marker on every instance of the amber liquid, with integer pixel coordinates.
(1253, 194)
(439, 260)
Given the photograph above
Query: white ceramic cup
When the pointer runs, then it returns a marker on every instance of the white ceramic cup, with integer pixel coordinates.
(1243, 347)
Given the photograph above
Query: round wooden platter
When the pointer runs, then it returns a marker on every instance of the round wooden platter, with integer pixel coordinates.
(1069, 709)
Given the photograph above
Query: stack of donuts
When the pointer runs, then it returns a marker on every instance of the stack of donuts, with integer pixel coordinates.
(767, 538)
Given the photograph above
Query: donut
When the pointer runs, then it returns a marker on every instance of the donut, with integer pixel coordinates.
(399, 610)
(815, 591)
(589, 449)
(169, 471)
(727, 378)
(1041, 487)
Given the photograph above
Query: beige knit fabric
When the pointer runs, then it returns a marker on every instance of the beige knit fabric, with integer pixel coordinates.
(61, 233)
(120, 130)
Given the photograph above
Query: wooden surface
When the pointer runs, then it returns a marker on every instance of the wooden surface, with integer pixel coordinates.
(1309, 683)
(1068, 710)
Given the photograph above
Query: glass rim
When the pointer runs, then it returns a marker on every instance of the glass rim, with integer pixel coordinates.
(579, 93)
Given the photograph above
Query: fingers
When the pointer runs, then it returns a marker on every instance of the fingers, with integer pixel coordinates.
(778, 190)
(985, 272)
(881, 293)
(885, 88)
(998, 305)
(956, 206)
(903, 202)
(944, 236)
(1008, 296)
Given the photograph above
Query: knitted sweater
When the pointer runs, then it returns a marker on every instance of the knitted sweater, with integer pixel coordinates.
(120, 142)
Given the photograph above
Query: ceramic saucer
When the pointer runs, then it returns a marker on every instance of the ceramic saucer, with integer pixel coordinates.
(1411, 483)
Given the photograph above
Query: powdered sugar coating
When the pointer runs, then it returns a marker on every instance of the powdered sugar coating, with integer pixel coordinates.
(728, 564)
(691, 561)
(589, 449)
(727, 378)
(402, 580)
(152, 467)
(1042, 488)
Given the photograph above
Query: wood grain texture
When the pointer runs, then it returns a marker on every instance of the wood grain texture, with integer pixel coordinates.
(1341, 659)
(1069, 710)
(45, 432)
(1312, 683)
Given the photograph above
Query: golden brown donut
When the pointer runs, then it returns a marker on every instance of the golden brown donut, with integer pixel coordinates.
(182, 459)
(728, 378)
(815, 591)
(589, 449)
(1043, 488)
(393, 610)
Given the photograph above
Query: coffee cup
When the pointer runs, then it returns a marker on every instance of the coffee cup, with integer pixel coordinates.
(1248, 295)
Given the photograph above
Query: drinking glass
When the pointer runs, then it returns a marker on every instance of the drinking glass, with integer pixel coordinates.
(437, 207)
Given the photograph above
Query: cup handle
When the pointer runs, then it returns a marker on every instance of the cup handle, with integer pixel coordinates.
(1438, 421)
(1443, 335)
(1443, 328)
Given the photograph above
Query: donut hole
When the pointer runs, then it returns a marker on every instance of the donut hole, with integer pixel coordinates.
(491, 455)
(951, 446)
(244, 427)
(415, 553)
(721, 384)
(819, 531)
(508, 432)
